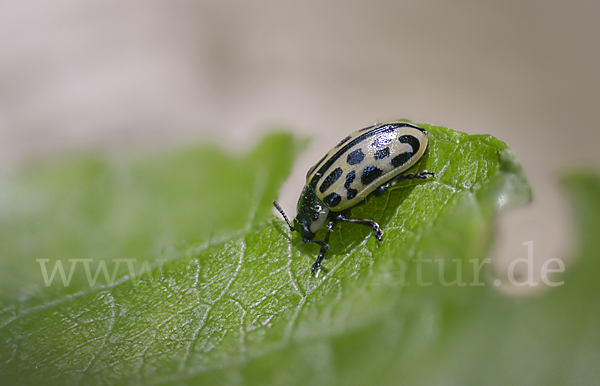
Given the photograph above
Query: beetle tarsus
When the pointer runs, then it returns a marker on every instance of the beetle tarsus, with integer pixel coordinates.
(378, 231)
(422, 175)
(382, 189)
(316, 268)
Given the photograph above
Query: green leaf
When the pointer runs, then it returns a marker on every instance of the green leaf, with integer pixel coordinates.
(235, 302)
(145, 208)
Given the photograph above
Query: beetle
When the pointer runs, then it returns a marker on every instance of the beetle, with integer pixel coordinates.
(369, 160)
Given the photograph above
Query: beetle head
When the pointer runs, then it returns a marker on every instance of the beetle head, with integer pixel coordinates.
(311, 213)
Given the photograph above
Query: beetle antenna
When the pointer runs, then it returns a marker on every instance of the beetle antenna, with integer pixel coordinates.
(278, 207)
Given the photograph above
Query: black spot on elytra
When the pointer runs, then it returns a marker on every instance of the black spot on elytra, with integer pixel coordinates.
(350, 193)
(355, 157)
(343, 141)
(412, 141)
(401, 159)
(330, 179)
(382, 153)
(332, 200)
(370, 174)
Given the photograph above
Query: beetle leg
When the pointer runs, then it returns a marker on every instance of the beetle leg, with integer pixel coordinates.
(367, 222)
(324, 248)
(422, 175)
(380, 190)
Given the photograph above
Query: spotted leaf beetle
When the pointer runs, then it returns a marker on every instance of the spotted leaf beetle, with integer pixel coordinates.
(369, 160)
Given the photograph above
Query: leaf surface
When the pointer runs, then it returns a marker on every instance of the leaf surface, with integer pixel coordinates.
(234, 302)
